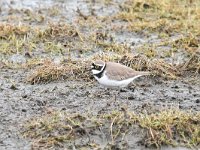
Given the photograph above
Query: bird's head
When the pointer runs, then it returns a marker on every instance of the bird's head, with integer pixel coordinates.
(97, 66)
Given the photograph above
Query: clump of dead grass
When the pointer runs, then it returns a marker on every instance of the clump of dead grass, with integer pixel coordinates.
(193, 64)
(171, 127)
(15, 39)
(7, 30)
(50, 71)
(189, 43)
(59, 126)
(59, 30)
(167, 127)
(157, 66)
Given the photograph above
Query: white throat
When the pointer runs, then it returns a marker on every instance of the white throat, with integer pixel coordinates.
(95, 71)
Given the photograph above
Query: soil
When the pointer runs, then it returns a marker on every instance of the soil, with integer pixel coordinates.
(20, 101)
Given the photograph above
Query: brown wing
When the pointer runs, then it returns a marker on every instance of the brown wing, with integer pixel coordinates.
(117, 71)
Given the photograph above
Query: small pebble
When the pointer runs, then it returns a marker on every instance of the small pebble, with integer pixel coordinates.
(24, 96)
(24, 110)
(198, 101)
(131, 98)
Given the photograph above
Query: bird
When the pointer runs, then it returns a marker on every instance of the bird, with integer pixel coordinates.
(114, 75)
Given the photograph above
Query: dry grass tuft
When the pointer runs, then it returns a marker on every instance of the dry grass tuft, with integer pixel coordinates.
(193, 64)
(50, 71)
(171, 127)
(15, 39)
(47, 72)
(58, 30)
(56, 128)
(157, 67)
(7, 30)
(188, 43)
(167, 127)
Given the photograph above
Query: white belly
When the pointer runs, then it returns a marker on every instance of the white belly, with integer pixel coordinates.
(105, 81)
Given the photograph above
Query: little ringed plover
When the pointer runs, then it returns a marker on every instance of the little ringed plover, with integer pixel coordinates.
(113, 75)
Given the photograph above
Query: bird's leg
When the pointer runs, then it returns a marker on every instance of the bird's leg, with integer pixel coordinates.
(132, 87)
(117, 93)
(107, 91)
(115, 99)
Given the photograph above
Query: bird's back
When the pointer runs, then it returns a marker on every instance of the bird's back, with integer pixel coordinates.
(118, 71)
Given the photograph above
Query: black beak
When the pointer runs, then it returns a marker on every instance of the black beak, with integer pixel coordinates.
(91, 67)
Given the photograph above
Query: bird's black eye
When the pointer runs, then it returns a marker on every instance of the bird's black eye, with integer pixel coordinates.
(98, 67)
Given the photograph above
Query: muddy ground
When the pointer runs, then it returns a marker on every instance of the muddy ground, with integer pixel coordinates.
(21, 101)
(24, 101)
